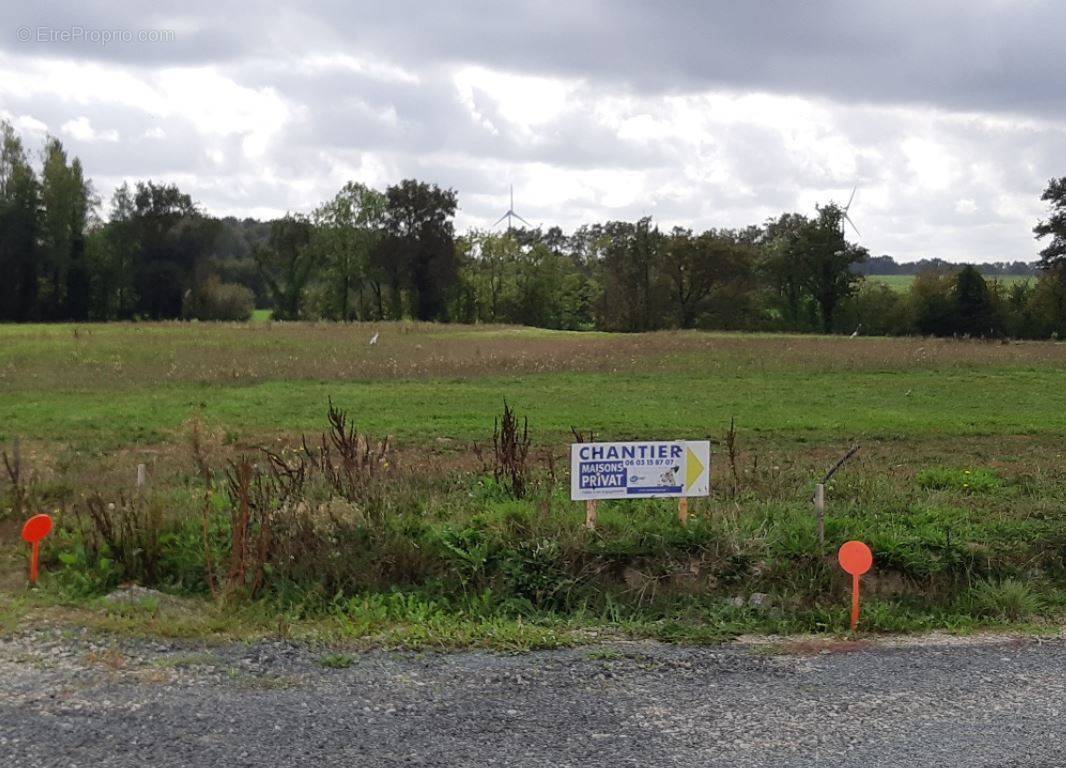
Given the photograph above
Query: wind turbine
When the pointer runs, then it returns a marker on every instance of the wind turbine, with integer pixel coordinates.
(844, 213)
(511, 215)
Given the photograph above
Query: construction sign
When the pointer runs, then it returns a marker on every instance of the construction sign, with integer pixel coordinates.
(640, 470)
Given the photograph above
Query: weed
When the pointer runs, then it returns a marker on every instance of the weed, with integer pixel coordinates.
(604, 654)
(511, 452)
(1006, 600)
(970, 481)
(348, 459)
(336, 661)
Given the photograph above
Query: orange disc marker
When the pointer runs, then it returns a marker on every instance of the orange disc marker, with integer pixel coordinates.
(35, 529)
(856, 559)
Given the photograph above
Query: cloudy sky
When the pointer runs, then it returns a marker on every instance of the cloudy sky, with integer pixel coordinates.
(949, 116)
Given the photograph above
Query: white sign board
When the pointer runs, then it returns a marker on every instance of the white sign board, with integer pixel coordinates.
(640, 470)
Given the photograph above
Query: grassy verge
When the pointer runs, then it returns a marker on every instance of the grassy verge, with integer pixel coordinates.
(958, 487)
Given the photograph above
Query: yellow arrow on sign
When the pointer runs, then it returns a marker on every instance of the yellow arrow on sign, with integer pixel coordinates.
(693, 469)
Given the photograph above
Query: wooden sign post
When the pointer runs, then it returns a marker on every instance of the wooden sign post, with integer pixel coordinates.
(590, 514)
(819, 493)
(819, 508)
(682, 510)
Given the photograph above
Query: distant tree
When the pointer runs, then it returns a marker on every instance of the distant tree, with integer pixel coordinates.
(826, 260)
(233, 259)
(975, 312)
(419, 246)
(68, 206)
(348, 230)
(695, 266)
(1048, 304)
(495, 263)
(782, 268)
(876, 309)
(287, 263)
(1054, 253)
(1019, 318)
(19, 229)
(932, 303)
(172, 237)
(114, 256)
(633, 291)
(549, 290)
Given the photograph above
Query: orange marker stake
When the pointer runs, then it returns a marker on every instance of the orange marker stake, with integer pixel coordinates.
(35, 529)
(856, 559)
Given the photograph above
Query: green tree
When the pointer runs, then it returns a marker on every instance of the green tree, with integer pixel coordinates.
(1054, 253)
(115, 258)
(287, 263)
(172, 237)
(19, 229)
(932, 303)
(419, 247)
(1048, 305)
(782, 269)
(696, 265)
(348, 230)
(633, 295)
(549, 290)
(826, 259)
(495, 264)
(68, 204)
(975, 312)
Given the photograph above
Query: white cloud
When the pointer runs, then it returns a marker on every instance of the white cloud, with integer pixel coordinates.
(30, 124)
(81, 129)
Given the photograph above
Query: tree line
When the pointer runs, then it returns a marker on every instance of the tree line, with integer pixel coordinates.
(371, 255)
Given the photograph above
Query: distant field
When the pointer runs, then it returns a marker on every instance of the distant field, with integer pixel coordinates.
(903, 282)
(111, 386)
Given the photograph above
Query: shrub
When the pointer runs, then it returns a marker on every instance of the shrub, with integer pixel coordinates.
(215, 300)
(536, 571)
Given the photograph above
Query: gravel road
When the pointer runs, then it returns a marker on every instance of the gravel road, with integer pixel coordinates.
(69, 699)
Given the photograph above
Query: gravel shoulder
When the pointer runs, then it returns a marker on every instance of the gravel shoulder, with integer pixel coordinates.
(71, 698)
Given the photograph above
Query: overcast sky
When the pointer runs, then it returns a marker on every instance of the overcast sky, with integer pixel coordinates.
(950, 117)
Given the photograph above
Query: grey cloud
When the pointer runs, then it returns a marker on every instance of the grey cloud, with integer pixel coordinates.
(881, 71)
(982, 54)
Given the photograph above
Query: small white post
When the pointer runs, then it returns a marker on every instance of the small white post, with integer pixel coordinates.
(142, 476)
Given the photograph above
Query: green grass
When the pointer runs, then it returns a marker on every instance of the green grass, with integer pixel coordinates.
(958, 486)
(806, 404)
(129, 385)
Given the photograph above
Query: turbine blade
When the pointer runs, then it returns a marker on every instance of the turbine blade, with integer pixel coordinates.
(524, 221)
(495, 223)
(853, 191)
(852, 223)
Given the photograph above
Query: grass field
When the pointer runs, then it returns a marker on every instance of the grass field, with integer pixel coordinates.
(958, 485)
(117, 386)
(903, 282)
